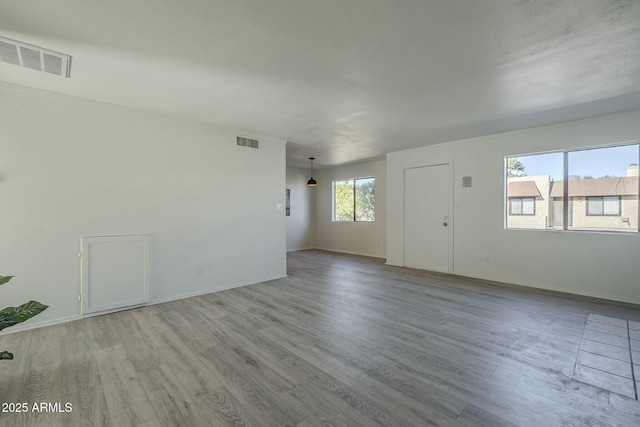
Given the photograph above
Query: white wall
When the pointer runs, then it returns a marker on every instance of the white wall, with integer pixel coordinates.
(300, 224)
(362, 238)
(596, 264)
(71, 168)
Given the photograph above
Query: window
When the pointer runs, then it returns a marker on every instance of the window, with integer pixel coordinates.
(354, 200)
(586, 189)
(522, 206)
(603, 206)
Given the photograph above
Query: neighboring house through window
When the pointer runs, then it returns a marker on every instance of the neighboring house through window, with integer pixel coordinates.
(589, 189)
(523, 193)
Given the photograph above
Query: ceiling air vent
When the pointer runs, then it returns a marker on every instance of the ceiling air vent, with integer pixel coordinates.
(34, 57)
(246, 142)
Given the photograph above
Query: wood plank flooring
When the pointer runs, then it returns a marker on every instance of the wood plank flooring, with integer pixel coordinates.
(342, 341)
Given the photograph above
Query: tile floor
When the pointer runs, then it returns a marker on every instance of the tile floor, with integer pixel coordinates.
(609, 355)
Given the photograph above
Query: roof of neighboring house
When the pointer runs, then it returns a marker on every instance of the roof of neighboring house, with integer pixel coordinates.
(523, 189)
(622, 186)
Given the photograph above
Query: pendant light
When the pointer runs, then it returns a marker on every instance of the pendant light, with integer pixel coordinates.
(312, 182)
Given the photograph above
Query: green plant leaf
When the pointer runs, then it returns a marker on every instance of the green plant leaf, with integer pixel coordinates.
(12, 315)
(5, 355)
(5, 279)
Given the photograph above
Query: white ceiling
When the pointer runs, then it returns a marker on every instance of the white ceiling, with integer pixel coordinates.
(343, 80)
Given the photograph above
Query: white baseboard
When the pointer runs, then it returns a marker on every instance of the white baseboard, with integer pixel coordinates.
(33, 325)
(212, 290)
(300, 249)
(351, 253)
(564, 290)
(560, 289)
(588, 294)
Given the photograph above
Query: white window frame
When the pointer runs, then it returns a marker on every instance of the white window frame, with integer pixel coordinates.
(605, 202)
(566, 223)
(531, 201)
(355, 213)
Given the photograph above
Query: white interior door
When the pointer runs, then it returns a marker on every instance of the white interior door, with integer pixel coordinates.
(427, 220)
(115, 272)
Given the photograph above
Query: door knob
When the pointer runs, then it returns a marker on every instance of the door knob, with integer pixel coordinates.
(444, 223)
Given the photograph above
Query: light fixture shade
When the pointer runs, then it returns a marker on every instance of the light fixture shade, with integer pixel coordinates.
(312, 182)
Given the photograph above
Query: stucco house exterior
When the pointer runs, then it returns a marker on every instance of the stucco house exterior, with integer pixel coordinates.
(609, 203)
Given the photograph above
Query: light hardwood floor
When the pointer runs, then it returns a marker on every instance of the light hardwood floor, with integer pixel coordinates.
(342, 341)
